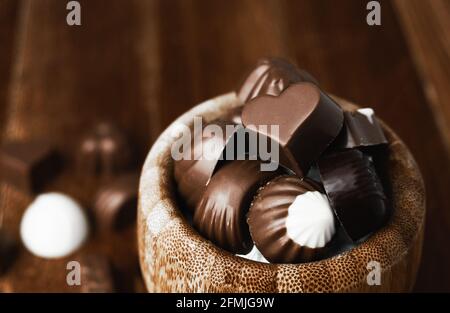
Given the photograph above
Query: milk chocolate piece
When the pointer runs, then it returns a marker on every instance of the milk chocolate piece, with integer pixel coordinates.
(271, 77)
(8, 250)
(193, 173)
(96, 274)
(220, 214)
(362, 129)
(28, 165)
(308, 122)
(116, 203)
(355, 192)
(104, 151)
(290, 220)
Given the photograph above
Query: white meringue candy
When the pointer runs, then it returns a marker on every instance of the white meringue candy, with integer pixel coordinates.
(53, 226)
(254, 255)
(310, 220)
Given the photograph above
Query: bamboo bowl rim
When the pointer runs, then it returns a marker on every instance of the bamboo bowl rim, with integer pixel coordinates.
(174, 257)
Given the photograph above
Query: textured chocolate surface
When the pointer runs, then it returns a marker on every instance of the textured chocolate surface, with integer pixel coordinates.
(267, 220)
(362, 130)
(355, 192)
(104, 151)
(191, 174)
(116, 202)
(270, 77)
(308, 122)
(28, 165)
(220, 215)
(96, 274)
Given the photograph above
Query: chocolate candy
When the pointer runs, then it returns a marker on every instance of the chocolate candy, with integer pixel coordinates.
(104, 151)
(362, 129)
(116, 202)
(354, 191)
(271, 77)
(96, 274)
(28, 165)
(291, 220)
(308, 122)
(192, 173)
(8, 250)
(220, 214)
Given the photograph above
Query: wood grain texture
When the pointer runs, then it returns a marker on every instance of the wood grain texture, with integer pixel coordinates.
(206, 47)
(50, 97)
(8, 20)
(372, 66)
(143, 63)
(427, 30)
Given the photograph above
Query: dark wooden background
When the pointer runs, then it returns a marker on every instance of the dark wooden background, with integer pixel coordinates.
(143, 63)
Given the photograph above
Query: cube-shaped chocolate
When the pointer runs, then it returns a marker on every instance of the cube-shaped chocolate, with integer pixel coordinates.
(27, 165)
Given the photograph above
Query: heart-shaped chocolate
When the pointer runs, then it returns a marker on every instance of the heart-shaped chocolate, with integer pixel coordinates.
(307, 119)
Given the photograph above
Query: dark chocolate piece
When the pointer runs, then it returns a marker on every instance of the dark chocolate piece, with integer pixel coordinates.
(268, 214)
(192, 174)
(96, 274)
(355, 192)
(116, 202)
(308, 122)
(362, 129)
(28, 165)
(271, 77)
(220, 214)
(8, 250)
(104, 151)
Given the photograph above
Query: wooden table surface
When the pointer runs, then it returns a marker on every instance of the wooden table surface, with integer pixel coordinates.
(142, 63)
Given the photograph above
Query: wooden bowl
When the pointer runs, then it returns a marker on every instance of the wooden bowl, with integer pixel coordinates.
(175, 258)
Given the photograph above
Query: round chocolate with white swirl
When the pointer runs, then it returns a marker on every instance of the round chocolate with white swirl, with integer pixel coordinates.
(291, 220)
(220, 214)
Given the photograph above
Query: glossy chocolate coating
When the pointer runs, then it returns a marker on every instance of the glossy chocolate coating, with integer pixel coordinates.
(308, 122)
(220, 214)
(362, 131)
(191, 175)
(116, 202)
(267, 220)
(270, 77)
(104, 151)
(28, 165)
(355, 192)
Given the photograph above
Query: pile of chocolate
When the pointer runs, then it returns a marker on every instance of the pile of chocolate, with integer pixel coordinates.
(326, 193)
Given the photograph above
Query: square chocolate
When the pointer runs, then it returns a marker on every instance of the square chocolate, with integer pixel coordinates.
(27, 165)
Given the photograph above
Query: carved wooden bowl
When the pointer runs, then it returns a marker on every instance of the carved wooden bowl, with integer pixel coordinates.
(175, 258)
